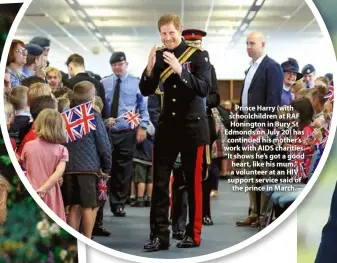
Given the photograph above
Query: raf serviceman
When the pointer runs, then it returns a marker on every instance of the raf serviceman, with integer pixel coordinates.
(185, 73)
(122, 94)
(309, 73)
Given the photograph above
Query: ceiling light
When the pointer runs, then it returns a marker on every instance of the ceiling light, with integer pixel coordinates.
(81, 14)
(70, 2)
(259, 2)
(91, 25)
(286, 16)
(106, 12)
(99, 35)
(243, 27)
(251, 15)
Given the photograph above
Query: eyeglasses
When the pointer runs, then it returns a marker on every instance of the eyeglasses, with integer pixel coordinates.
(22, 51)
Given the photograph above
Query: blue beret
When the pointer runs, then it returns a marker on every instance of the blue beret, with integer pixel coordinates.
(40, 41)
(329, 76)
(308, 69)
(34, 49)
(117, 57)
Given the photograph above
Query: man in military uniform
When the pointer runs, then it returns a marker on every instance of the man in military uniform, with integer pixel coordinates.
(194, 37)
(185, 73)
(122, 95)
(309, 73)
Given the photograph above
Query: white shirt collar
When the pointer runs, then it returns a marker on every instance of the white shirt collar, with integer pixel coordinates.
(285, 87)
(258, 61)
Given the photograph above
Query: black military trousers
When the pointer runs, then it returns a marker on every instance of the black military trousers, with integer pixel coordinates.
(121, 169)
(164, 155)
(327, 252)
(179, 200)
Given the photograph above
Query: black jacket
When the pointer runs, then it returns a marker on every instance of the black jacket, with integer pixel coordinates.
(212, 101)
(83, 76)
(184, 108)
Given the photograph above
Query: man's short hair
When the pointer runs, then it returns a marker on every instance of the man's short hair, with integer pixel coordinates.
(170, 18)
(76, 59)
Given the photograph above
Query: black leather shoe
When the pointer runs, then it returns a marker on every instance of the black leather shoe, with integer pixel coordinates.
(155, 245)
(119, 212)
(187, 242)
(207, 221)
(137, 203)
(147, 203)
(101, 231)
(178, 235)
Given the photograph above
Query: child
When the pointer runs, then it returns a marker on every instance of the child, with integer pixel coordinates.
(88, 156)
(37, 105)
(9, 115)
(45, 159)
(141, 183)
(305, 110)
(18, 98)
(63, 104)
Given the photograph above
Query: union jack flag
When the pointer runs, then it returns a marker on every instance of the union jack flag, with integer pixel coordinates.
(298, 167)
(325, 138)
(132, 118)
(102, 187)
(330, 94)
(79, 120)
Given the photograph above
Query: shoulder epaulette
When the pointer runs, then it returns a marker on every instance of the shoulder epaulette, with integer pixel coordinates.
(192, 45)
(134, 77)
(107, 76)
(160, 48)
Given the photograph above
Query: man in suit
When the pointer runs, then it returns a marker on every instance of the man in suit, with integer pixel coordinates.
(262, 87)
(327, 252)
(185, 73)
(77, 73)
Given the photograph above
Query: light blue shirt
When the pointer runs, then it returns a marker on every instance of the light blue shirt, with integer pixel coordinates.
(248, 80)
(27, 72)
(15, 78)
(130, 98)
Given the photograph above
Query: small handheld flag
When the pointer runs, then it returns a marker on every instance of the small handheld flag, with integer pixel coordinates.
(79, 120)
(102, 187)
(132, 118)
(330, 94)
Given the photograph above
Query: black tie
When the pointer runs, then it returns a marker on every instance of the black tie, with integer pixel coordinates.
(115, 99)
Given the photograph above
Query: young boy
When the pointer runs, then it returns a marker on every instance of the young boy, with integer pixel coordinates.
(18, 98)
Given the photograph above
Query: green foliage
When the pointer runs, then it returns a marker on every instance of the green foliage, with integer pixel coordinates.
(28, 234)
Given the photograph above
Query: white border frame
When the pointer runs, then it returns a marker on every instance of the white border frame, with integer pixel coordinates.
(130, 257)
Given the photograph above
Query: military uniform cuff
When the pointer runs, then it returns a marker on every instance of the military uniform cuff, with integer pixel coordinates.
(184, 76)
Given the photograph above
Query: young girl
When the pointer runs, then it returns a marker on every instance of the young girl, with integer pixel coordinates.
(45, 159)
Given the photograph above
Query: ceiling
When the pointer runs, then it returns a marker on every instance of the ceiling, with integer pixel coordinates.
(130, 25)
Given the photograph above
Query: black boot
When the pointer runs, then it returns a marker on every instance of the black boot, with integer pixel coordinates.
(155, 244)
(187, 242)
